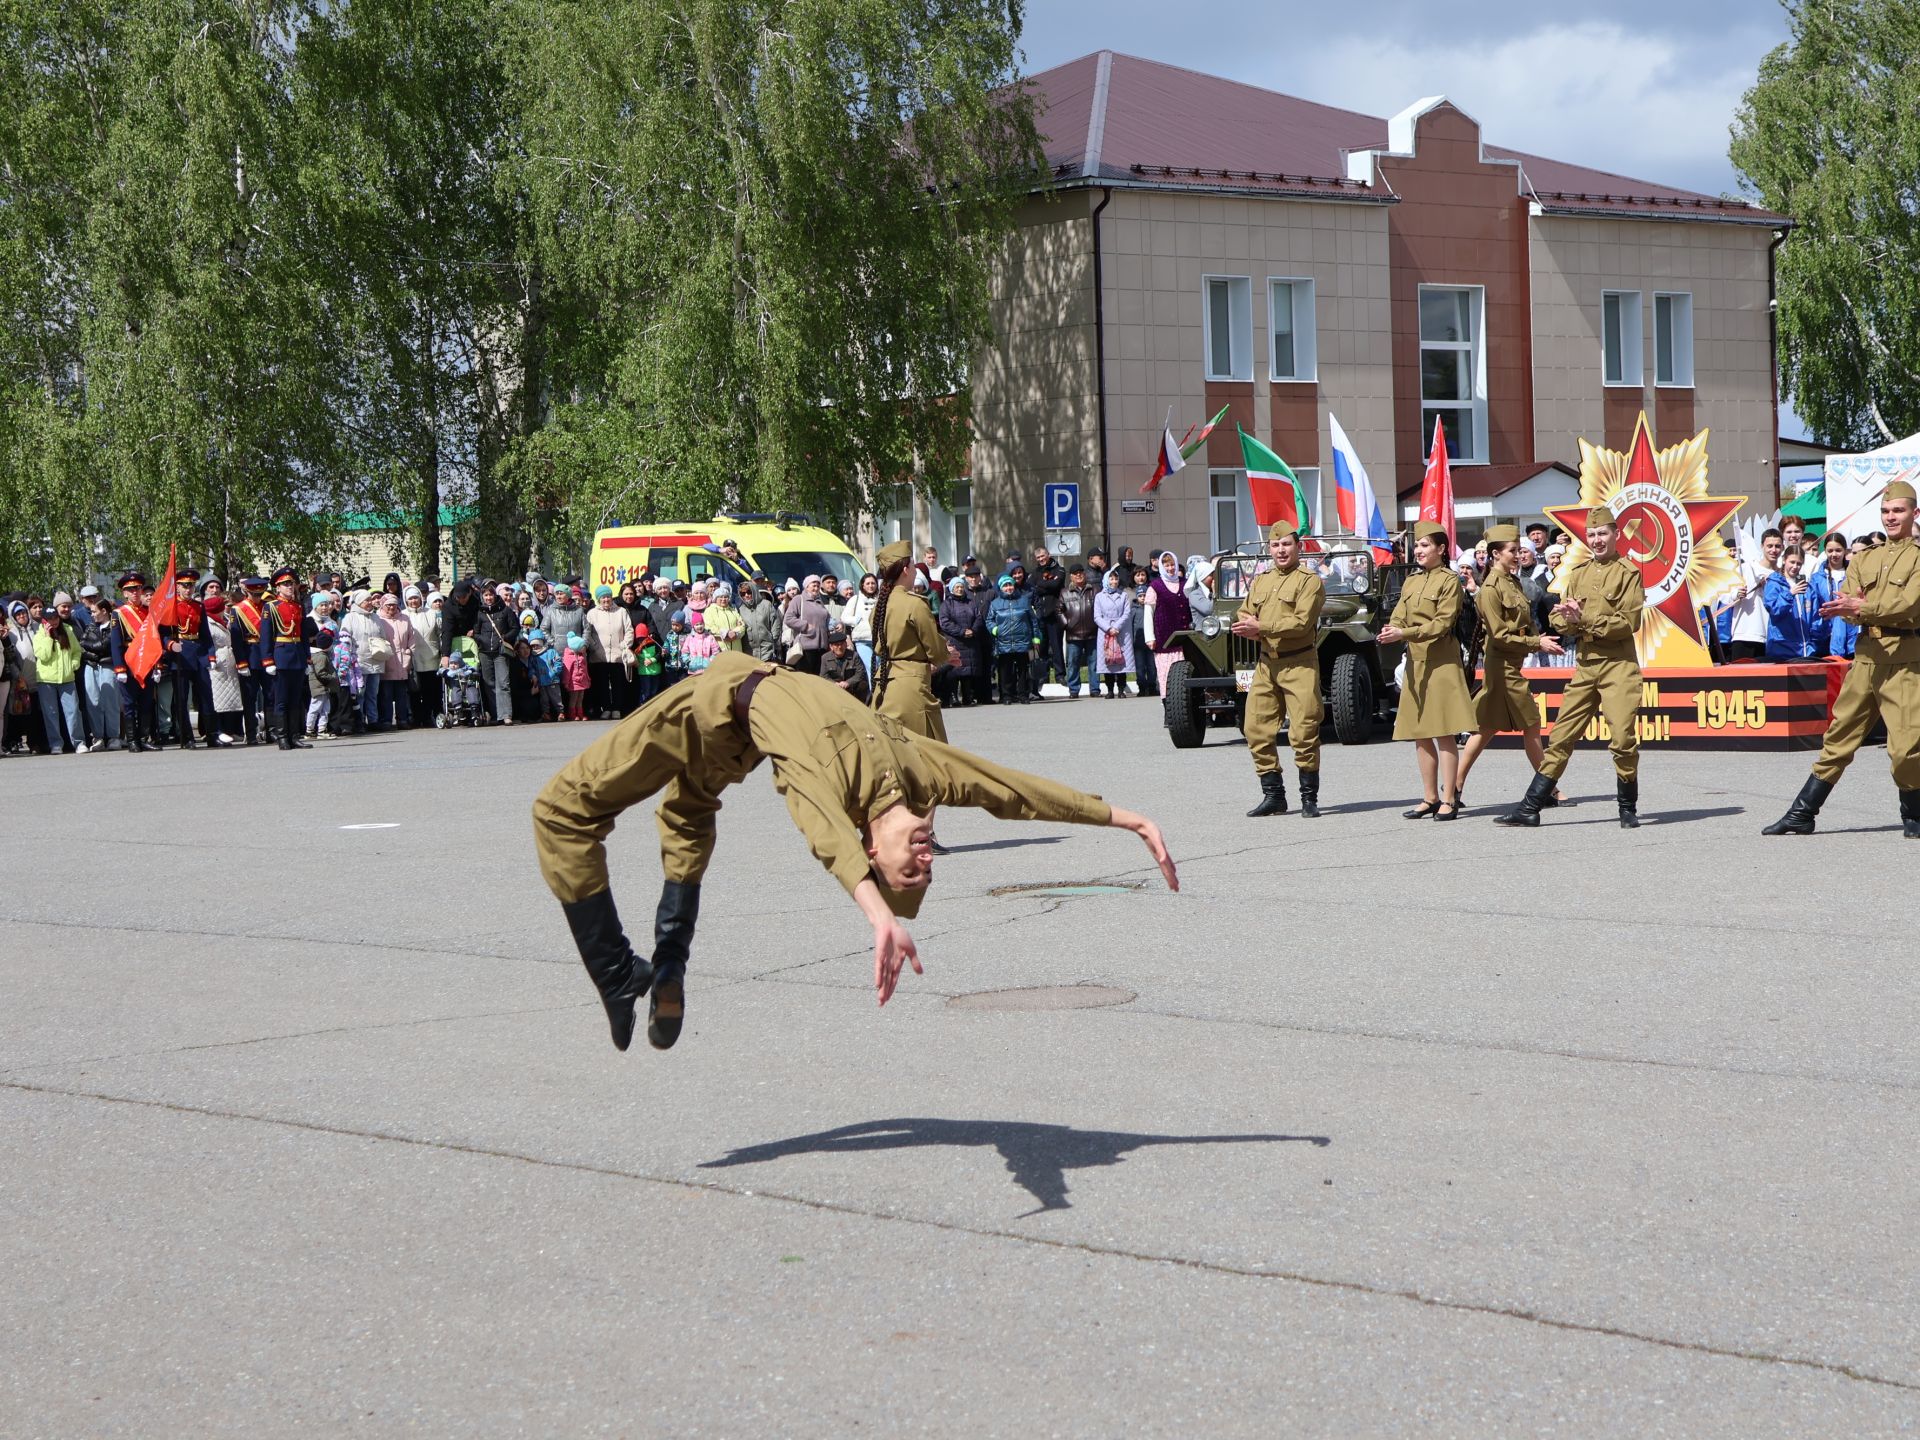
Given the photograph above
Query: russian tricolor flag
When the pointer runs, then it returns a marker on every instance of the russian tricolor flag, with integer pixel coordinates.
(1353, 495)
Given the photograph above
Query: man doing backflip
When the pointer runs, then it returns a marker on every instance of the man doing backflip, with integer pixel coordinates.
(1881, 595)
(860, 788)
(1600, 613)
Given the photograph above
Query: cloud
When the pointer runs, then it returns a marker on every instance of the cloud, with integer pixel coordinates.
(1593, 93)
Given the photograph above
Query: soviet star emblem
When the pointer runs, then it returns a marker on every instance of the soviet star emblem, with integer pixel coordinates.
(1667, 525)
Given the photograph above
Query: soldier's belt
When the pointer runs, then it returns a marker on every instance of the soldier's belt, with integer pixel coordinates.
(1882, 631)
(743, 697)
(1297, 650)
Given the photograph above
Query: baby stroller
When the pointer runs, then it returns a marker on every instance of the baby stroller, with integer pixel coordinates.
(460, 686)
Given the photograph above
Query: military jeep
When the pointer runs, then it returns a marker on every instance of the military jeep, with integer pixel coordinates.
(1207, 686)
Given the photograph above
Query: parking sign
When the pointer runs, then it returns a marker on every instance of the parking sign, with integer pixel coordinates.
(1060, 502)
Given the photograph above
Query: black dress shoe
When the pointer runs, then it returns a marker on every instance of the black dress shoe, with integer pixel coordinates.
(1428, 809)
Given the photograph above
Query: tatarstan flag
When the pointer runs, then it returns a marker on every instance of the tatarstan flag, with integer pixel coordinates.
(1275, 488)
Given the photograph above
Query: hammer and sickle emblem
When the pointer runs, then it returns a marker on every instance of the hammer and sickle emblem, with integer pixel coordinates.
(1645, 540)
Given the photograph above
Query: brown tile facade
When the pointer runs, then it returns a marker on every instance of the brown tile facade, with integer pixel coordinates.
(1294, 432)
(1672, 415)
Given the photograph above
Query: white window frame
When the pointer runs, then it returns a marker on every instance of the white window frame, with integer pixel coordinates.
(1633, 354)
(1477, 352)
(1309, 476)
(1306, 363)
(1680, 342)
(1241, 496)
(1240, 337)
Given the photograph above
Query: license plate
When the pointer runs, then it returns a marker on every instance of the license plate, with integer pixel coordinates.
(1243, 680)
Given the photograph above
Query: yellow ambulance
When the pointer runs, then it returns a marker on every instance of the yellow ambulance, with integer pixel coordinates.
(783, 546)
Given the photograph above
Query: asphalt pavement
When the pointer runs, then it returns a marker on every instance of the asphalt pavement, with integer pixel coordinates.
(309, 1122)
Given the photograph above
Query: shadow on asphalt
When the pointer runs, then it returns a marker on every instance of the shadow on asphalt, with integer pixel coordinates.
(1037, 1156)
(1005, 844)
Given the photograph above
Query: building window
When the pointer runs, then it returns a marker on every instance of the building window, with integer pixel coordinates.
(960, 508)
(1673, 340)
(1318, 519)
(1621, 353)
(1228, 321)
(1229, 510)
(1453, 370)
(1290, 322)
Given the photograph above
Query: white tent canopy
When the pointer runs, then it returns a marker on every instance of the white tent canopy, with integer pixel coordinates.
(1854, 483)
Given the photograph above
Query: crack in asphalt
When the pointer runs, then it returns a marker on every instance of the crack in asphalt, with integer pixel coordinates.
(1113, 1252)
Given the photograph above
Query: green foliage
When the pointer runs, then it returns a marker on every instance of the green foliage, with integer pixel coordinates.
(265, 263)
(1830, 135)
(783, 212)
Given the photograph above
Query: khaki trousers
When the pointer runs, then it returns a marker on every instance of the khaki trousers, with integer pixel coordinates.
(1289, 688)
(1875, 688)
(1610, 689)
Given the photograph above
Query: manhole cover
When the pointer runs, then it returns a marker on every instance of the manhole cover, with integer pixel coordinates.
(1044, 997)
(1066, 889)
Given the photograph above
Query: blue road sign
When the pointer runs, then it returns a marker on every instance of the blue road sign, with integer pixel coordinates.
(1061, 504)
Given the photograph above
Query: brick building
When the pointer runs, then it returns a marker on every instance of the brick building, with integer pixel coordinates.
(1209, 243)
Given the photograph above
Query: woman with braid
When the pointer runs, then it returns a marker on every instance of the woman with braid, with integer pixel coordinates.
(907, 646)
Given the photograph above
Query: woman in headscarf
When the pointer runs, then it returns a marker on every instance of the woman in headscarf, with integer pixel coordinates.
(425, 617)
(963, 621)
(1199, 587)
(1113, 623)
(1168, 613)
(724, 623)
(807, 618)
(1434, 705)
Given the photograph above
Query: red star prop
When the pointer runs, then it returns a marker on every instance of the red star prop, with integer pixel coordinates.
(1646, 535)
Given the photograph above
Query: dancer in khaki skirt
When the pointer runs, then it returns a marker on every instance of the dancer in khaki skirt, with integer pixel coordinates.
(1505, 701)
(1434, 704)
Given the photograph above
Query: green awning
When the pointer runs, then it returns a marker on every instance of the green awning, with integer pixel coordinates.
(1811, 505)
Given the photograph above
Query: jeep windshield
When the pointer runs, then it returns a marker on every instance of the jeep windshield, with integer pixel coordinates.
(1343, 572)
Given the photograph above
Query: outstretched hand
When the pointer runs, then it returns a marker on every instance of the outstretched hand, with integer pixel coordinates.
(893, 948)
(1150, 833)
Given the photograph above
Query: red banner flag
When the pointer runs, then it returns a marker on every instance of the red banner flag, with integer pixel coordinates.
(1436, 491)
(146, 650)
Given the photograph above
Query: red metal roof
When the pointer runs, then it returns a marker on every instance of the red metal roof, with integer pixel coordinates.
(1163, 125)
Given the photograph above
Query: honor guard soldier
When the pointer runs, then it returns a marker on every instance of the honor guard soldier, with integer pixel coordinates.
(287, 641)
(1600, 613)
(190, 646)
(249, 619)
(129, 619)
(861, 789)
(1881, 595)
(1281, 614)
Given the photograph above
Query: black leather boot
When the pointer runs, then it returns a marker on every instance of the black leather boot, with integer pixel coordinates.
(1273, 796)
(1910, 814)
(1627, 794)
(1539, 795)
(618, 974)
(1309, 794)
(672, 943)
(1800, 815)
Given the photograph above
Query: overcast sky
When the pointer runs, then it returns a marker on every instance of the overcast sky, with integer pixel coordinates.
(1645, 88)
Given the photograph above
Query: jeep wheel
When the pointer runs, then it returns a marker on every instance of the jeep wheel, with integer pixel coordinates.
(1352, 696)
(1186, 726)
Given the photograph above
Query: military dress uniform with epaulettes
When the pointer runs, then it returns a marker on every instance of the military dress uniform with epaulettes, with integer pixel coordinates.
(837, 763)
(249, 620)
(1286, 680)
(288, 641)
(140, 709)
(1883, 682)
(189, 647)
(1606, 680)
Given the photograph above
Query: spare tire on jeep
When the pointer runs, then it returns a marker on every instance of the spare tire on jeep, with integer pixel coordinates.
(1351, 694)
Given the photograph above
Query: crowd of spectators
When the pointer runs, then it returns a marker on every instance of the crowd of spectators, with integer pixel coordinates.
(534, 650)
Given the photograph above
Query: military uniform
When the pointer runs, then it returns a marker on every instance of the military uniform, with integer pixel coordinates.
(1286, 679)
(249, 621)
(910, 648)
(1606, 680)
(836, 762)
(286, 643)
(1434, 701)
(190, 647)
(141, 710)
(1883, 681)
(1506, 702)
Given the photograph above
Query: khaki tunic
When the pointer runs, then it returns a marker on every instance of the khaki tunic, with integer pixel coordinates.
(1434, 701)
(836, 762)
(1607, 679)
(1286, 677)
(1505, 702)
(914, 648)
(1884, 679)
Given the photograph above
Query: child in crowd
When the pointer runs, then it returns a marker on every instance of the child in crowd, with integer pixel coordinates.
(323, 681)
(523, 683)
(699, 649)
(463, 680)
(546, 671)
(673, 652)
(346, 665)
(573, 668)
(647, 665)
